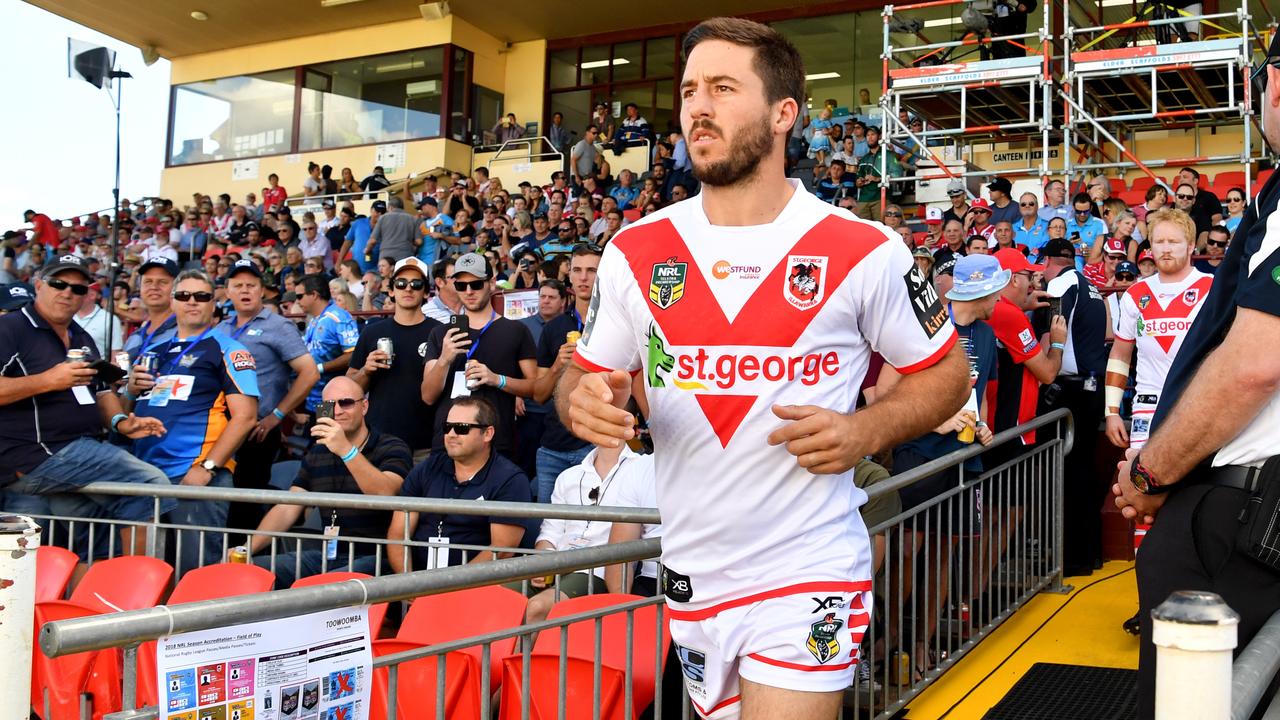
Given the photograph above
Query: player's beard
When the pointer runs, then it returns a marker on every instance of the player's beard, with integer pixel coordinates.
(750, 144)
(1173, 263)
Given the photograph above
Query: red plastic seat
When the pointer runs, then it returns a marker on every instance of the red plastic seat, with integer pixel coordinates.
(1117, 185)
(1132, 198)
(63, 679)
(54, 568)
(434, 619)
(416, 684)
(919, 238)
(1224, 181)
(132, 582)
(1263, 177)
(377, 613)
(1143, 182)
(646, 645)
(544, 689)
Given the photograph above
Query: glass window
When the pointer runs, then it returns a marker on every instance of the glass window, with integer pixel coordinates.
(486, 107)
(575, 106)
(659, 57)
(232, 118)
(377, 99)
(562, 68)
(832, 72)
(627, 61)
(595, 65)
(459, 127)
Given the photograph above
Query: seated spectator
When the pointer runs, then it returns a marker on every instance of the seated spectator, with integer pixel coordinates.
(1099, 192)
(600, 479)
(1215, 248)
(1003, 236)
(975, 245)
(1157, 197)
(444, 301)
(52, 411)
(625, 191)
(892, 216)
(933, 227)
(347, 457)
(469, 468)
(1205, 208)
(1146, 264)
(1029, 230)
(978, 220)
(877, 510)
(99, 324)
(315, 246)
(633, 129)
(1237, 203)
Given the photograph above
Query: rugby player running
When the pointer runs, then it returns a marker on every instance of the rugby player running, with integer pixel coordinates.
(750, 312)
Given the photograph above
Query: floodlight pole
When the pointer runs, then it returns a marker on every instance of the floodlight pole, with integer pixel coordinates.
(114, 260)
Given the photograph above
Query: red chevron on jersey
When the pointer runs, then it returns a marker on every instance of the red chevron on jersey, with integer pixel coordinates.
(1167, 324)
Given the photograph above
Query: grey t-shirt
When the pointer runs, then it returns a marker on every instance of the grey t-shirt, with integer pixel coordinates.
(273, 341)
(585, 152)
(394, 235)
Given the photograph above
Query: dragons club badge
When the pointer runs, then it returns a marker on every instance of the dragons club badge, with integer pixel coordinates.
(805, 283)
(822, 638)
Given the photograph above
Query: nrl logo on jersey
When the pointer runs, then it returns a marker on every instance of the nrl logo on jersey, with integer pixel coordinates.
(666, 285)
(805, 285)
(822, 641)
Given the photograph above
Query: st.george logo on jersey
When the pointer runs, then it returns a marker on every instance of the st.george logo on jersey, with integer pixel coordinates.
(667, 284)
(805, 284)
(822, 638)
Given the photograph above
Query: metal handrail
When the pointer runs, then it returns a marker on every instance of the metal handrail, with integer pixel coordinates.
(1254, 670)
(66, 637)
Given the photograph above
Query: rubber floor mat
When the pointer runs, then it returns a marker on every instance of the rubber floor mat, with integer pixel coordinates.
(1049, 691)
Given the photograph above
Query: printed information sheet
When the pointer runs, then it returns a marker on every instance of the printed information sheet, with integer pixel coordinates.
(312, 667)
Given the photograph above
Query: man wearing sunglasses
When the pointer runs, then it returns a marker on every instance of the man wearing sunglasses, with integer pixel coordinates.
(1205, 208)
(468, 469)
(395, 403)
(495, 359)
(51, 411)
(1083, 228)
(1215, 246)
(205, 391)
(285, 373)
(349, 456)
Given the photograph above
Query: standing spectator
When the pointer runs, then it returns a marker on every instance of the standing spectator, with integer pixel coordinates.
(444, 303)
(1205, 209)
(1010, 19)
(1084, 364)
(393, 235)
(43, 230)
(933, 228)
(278, 353)
(331, 334)
(1003, 209)
(51, 411)
(394, 407)
(507, 129)
(348, 185)
(1216, 249)
(349, 456)
(633, 128)
(959, 198)
(375, 181)
(1055, 202)
(326, 176)
(468, 469)
(433, 232)
(315, 245)
(274, 195)
(205, 392)
(9, 257)
(494, 360)
(314, 184)
(558, 134)
(868, 180)
(1084, 228)
(531, 424)
(602, 119)
(460, 200)
(193, 239)
(1102, 271)
(360, 233)
(99, 324)
(1126, 275)
(560, 448)
(155, 284)
(582, 159)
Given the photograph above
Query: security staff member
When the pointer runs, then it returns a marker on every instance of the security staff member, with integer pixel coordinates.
(1079, 389)
(1194, 477)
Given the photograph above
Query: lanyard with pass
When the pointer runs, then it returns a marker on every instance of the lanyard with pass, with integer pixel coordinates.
(177, 362)
(146, 338)
(476, 345)
(240, 331)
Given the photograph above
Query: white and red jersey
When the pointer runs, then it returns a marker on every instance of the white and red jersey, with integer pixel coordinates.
(725, 322)
(1156, 317)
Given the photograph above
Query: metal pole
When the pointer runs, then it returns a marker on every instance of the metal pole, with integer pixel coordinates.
(19, 538)
(1194, 633)
(114, 260)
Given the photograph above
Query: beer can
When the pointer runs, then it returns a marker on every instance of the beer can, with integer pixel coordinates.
(573, 336)
(238, 555)
(148, 361)
(122, 360)
(78, 354)
(386, 346)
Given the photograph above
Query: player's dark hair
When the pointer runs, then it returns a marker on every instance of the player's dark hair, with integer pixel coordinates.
(777, 61)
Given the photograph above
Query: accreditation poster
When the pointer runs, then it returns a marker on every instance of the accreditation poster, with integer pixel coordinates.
(312, 667)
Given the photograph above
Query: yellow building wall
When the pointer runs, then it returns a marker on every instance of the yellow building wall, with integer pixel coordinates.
(526, 80)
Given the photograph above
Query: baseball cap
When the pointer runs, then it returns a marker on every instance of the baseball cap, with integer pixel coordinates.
(68, 262)
(379, 205)
(460, 183)
(284, 210)
(1058, 248)
(946, 266)
(922, 252)
(1015, 262)
(980, 204)
(540, 216)
(1115, 246)
(15, 297)
(165, 264)
(327, 204)
(244, 265)
(471, 264)
(1146, 255)
(411, 263)
(977, 276)
(933, 216)
(428, 201)
(1002, 185)
(1126, 267)
(955, 187)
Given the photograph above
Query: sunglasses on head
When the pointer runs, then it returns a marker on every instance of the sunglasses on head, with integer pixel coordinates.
(200, 296)
(590, 247)
(60, 285)
(1126, 277)
(405, 283)
(1182, 196)
(464, 285)
(461, 428)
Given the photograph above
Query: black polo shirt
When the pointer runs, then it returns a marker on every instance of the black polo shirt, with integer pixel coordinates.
(322, 471)
(34, 429)
(500, 348)
(436, 477)
(1205, 207)
(556, 436)
(395, 394)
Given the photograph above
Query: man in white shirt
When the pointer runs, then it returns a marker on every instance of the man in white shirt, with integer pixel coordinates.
(159, 247)
(330, 216)
(94, 321)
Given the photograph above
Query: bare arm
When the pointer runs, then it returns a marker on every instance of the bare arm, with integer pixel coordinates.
(307, 378)
(58, 377)
(337, 365)
(434, 375)
(618, 578)
(500, 535)
(403, 524)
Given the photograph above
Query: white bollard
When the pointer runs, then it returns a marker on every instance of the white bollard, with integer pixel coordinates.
(19, 538)
(1195, 634)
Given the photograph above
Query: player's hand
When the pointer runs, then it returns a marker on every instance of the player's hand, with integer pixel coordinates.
(140, 381)
(1058, 329)
(595, 409)
(66, 375)
(1116, 432)
(264, 427)
(1133, 504)
(456, 341)
(824, 441)
(134, 427)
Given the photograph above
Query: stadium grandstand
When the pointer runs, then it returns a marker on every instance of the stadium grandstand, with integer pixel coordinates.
(371, 410)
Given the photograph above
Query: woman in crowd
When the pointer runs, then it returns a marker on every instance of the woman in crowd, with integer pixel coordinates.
(348, 183)
(582, 228)
(1236, 204)
(1157, 197)
(349, 272)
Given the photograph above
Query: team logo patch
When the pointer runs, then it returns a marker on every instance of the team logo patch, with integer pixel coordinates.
(1141, 425)
(1275, 275)
(422, 350)
(660, 360)
(241, 360)
(1191, 296)
(1027, 339)
(666, 285)
(1143, 302)
(822, 641)
(925, 302)
(805, 286)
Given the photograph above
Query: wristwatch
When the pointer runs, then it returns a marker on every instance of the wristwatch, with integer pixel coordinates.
(1143, 480)
(211, 466)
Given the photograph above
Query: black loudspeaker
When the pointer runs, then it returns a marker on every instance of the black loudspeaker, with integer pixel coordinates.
(94, 65)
